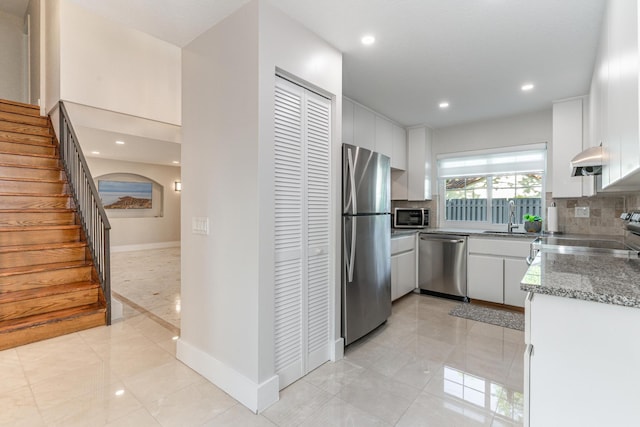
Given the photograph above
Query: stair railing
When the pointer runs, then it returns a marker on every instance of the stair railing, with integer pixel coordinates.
(87, 201)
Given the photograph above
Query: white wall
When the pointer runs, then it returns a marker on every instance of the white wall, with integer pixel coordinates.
(219, 281)
(508, 131)
(52, 55)
(13, 57)
(227, 277)
(140, 233)
(37, 39)
(106, 65)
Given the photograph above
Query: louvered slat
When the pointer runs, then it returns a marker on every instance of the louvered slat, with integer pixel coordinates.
(318, 152)
(288, 229)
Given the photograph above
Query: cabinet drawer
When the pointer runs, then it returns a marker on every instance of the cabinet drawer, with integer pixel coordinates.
(403, 244)
(510, 247)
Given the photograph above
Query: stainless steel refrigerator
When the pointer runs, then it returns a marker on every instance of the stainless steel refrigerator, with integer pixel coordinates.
(366, 238)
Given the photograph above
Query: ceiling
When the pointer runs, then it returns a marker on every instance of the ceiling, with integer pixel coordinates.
(475, 54)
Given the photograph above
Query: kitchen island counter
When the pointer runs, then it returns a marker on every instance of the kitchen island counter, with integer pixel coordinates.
(590, 277)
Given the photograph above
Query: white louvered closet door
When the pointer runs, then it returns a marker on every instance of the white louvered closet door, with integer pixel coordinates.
(302, 171)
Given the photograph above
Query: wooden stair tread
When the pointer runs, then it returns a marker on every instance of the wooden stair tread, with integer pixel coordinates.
(42, 121)
(45, 156)
(20, 104)
(25, 248)
(23, 166)
(39, 228)
(34, 210)
(12, 271)
(23, 179)
(36, 293)
(55, 316)
(24, 128)
(35, 195)
(21, 138)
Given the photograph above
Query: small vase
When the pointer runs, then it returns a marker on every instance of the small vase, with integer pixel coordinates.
(533, 226)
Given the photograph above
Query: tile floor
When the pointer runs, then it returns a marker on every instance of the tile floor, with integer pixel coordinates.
(149, 280)
(423, 367)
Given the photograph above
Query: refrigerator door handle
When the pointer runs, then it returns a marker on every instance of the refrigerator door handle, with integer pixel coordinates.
(352, 252)
(352, 182)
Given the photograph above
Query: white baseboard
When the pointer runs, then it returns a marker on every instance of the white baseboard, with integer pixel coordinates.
(116, 309)
(337, 350)
(145, 246)
(254, 396)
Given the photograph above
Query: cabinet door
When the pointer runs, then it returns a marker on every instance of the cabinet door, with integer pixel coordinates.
(384, 137)
(364, 128)
(395, 289)
(407, 278)
(347, 121)
(514, 270)
(399, 149)
(624, 32)
(485, 278)
(567, 142)
(418, 164)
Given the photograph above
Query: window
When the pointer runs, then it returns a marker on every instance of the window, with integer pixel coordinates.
(477, 188)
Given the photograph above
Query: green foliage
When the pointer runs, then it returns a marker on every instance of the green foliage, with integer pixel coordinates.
(531, 218)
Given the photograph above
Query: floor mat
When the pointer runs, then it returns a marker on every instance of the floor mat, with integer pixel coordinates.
(507, 319)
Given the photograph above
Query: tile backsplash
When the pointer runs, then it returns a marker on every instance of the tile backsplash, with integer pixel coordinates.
(604, 212)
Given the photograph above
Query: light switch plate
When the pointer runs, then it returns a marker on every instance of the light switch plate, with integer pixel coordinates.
(582, 212)
(200, 225)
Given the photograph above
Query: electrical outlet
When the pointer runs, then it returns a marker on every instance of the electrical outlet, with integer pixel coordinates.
(582, 212)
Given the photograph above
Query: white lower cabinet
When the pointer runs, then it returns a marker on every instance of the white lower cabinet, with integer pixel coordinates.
(581, 364)
(485, 278)
(404, 276)
(495, 268)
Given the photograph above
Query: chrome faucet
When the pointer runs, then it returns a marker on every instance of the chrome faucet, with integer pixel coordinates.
(512, 217)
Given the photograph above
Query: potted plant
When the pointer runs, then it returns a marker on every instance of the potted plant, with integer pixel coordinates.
(532, 223)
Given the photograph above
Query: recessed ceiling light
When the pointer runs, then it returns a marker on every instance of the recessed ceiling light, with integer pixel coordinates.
(95, 152)
(443, 105)
(368, 40)
(175, 162)
(119, 392)
(527, 87)
(120, 142)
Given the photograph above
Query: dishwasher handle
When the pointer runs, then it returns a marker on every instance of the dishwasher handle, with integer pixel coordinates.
(445, 240)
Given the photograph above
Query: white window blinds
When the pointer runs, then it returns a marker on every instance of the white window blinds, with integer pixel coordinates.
(491, 162)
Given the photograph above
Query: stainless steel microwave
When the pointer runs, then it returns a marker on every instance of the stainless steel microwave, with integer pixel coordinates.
(410, 218)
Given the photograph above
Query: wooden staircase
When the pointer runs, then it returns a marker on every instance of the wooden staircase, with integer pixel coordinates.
(48, 283)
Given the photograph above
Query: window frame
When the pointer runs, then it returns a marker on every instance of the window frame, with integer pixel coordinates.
(488, 225)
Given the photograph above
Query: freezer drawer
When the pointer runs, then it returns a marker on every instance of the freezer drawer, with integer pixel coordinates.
(442, 264)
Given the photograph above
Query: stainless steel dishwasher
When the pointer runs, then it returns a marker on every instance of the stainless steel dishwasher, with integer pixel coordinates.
(442, 265)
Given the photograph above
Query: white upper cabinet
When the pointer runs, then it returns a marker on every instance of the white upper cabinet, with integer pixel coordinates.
(399, 151)
(384, 136)
(364, 128)
(347, 121)
(615, 104)
(568, 140)
(419, 163)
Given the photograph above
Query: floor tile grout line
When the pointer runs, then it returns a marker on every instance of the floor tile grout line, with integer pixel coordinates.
(147, 313)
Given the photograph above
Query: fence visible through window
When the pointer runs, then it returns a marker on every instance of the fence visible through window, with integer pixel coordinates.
(476, 209)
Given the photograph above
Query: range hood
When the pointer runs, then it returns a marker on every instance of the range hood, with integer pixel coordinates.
(588, 162)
